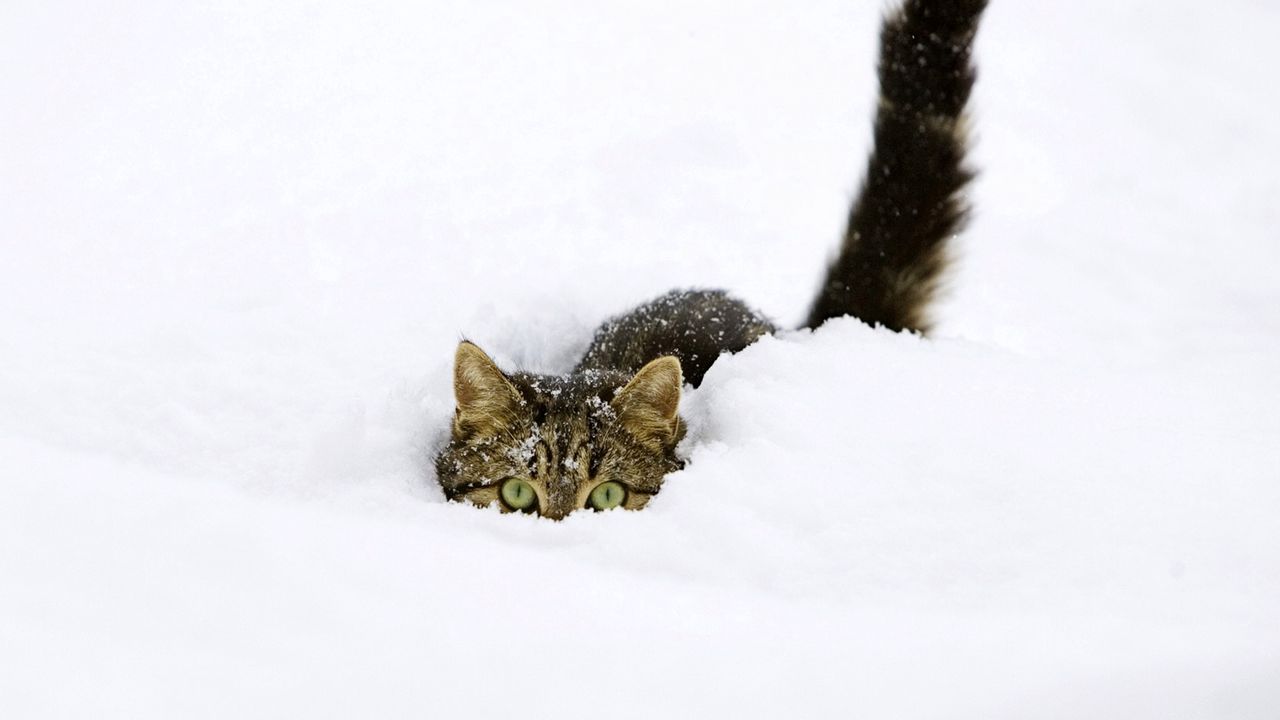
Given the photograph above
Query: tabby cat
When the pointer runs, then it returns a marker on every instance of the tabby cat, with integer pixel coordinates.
(604, 435)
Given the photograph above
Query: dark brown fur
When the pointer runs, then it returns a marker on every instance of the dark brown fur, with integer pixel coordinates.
(694, 326)
(894, 249)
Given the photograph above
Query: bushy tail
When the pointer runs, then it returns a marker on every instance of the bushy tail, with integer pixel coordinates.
(894, 249)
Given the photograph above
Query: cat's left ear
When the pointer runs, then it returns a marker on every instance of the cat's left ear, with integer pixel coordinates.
(647, 405)
(487, 402)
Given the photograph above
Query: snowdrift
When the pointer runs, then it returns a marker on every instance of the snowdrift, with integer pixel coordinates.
(241, 241)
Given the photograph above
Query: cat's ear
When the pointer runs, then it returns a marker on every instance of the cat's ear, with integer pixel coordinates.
(487, 401)
(647, 405)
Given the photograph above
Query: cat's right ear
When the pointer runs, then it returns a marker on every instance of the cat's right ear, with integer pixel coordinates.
(487, 401)
(647, 406)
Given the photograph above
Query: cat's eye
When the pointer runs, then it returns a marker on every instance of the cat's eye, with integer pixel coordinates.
(518, 495)
(606, 495)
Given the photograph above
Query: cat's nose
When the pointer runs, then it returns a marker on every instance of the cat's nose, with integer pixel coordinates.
(556, 513)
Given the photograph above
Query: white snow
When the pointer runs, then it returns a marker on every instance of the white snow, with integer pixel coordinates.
(240, 241)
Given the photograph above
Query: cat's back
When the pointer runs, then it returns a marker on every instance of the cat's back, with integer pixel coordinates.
(695, 326)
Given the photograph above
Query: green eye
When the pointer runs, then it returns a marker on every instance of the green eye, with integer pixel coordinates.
(518, 494)
(607, 495)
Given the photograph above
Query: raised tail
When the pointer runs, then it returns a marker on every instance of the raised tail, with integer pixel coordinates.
(910, 204)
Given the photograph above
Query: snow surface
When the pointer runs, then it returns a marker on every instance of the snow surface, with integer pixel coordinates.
(240, 241)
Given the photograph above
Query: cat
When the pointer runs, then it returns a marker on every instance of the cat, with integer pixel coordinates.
(604, 435)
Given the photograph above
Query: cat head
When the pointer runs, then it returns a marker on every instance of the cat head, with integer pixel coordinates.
(551, 445)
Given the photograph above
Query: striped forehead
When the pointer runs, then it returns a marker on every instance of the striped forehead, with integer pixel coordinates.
(561, 446)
